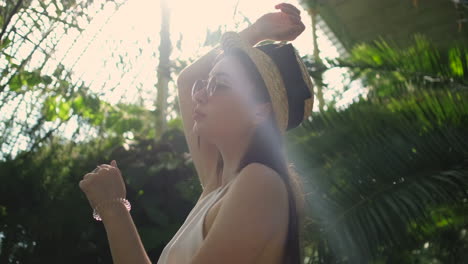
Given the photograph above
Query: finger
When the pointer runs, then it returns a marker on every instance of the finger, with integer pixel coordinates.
(83, 184)
(105, 166)
(114, 163)
(295, 20)
(110, 168)
(87, 175)
(288, 8)
(102, 169)
(295, 32)
(299, 29)
(290, 13)
(291, 7)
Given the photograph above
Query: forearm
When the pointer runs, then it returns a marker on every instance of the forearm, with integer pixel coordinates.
(202, 66)
(124, 241)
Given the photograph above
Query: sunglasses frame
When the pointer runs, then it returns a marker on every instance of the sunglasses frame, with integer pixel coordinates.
(209, 86)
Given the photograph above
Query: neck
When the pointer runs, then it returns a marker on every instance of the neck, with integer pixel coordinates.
(232, 151)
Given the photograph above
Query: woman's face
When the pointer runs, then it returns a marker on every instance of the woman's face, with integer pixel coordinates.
(231, 111)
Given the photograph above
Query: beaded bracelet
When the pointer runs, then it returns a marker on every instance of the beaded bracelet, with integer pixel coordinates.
(121, 200)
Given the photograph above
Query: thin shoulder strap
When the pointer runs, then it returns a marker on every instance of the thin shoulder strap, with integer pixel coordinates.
(222, 190)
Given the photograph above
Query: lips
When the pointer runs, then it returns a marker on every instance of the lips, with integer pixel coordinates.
(197, 114)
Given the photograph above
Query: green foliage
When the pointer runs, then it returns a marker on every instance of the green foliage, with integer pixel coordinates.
(42, 207)
(27, 79)
(379, 171)
(43, 179)
(392, 71)
(46, 100)
(376, 169)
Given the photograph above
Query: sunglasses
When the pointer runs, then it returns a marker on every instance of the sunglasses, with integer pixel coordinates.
(210, 86)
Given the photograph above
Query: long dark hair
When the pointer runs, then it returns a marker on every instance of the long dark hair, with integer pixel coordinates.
(267, 147)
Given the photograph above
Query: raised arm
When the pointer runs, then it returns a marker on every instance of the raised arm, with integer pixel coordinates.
(283, 26)
(204, 158)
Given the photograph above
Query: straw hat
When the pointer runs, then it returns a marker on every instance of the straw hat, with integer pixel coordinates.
(285, 76)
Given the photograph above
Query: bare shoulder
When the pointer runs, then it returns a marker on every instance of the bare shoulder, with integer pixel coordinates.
(261, 186)
(254, 211)
(256, 175)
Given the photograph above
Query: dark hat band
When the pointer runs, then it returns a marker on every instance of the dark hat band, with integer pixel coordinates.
(297, 91)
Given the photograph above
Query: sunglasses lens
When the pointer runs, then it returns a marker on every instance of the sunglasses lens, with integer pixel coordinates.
(198, 85)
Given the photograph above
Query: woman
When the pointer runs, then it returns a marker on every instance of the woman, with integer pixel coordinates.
(234, 114)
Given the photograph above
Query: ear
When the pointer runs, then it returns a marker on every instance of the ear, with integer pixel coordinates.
(262, 112)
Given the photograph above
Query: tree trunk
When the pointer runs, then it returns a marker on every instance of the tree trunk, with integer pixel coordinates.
(164, 72)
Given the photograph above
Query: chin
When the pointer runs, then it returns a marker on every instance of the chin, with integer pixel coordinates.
(195, 128)
(200, 129)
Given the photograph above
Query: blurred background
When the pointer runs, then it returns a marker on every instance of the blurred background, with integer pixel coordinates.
(384, 158)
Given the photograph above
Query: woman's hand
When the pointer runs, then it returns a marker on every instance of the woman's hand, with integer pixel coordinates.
(285, 25)
(106, 183)
(102, 184)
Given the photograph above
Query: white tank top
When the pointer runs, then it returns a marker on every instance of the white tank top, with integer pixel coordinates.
(189, 237)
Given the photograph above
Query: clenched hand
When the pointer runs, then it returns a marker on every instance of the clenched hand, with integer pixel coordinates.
(103, 184)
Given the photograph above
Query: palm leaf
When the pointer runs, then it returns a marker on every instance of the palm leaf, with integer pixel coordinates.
(384, 167)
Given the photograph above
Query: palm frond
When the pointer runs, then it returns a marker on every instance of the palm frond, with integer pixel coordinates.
(383, 168)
